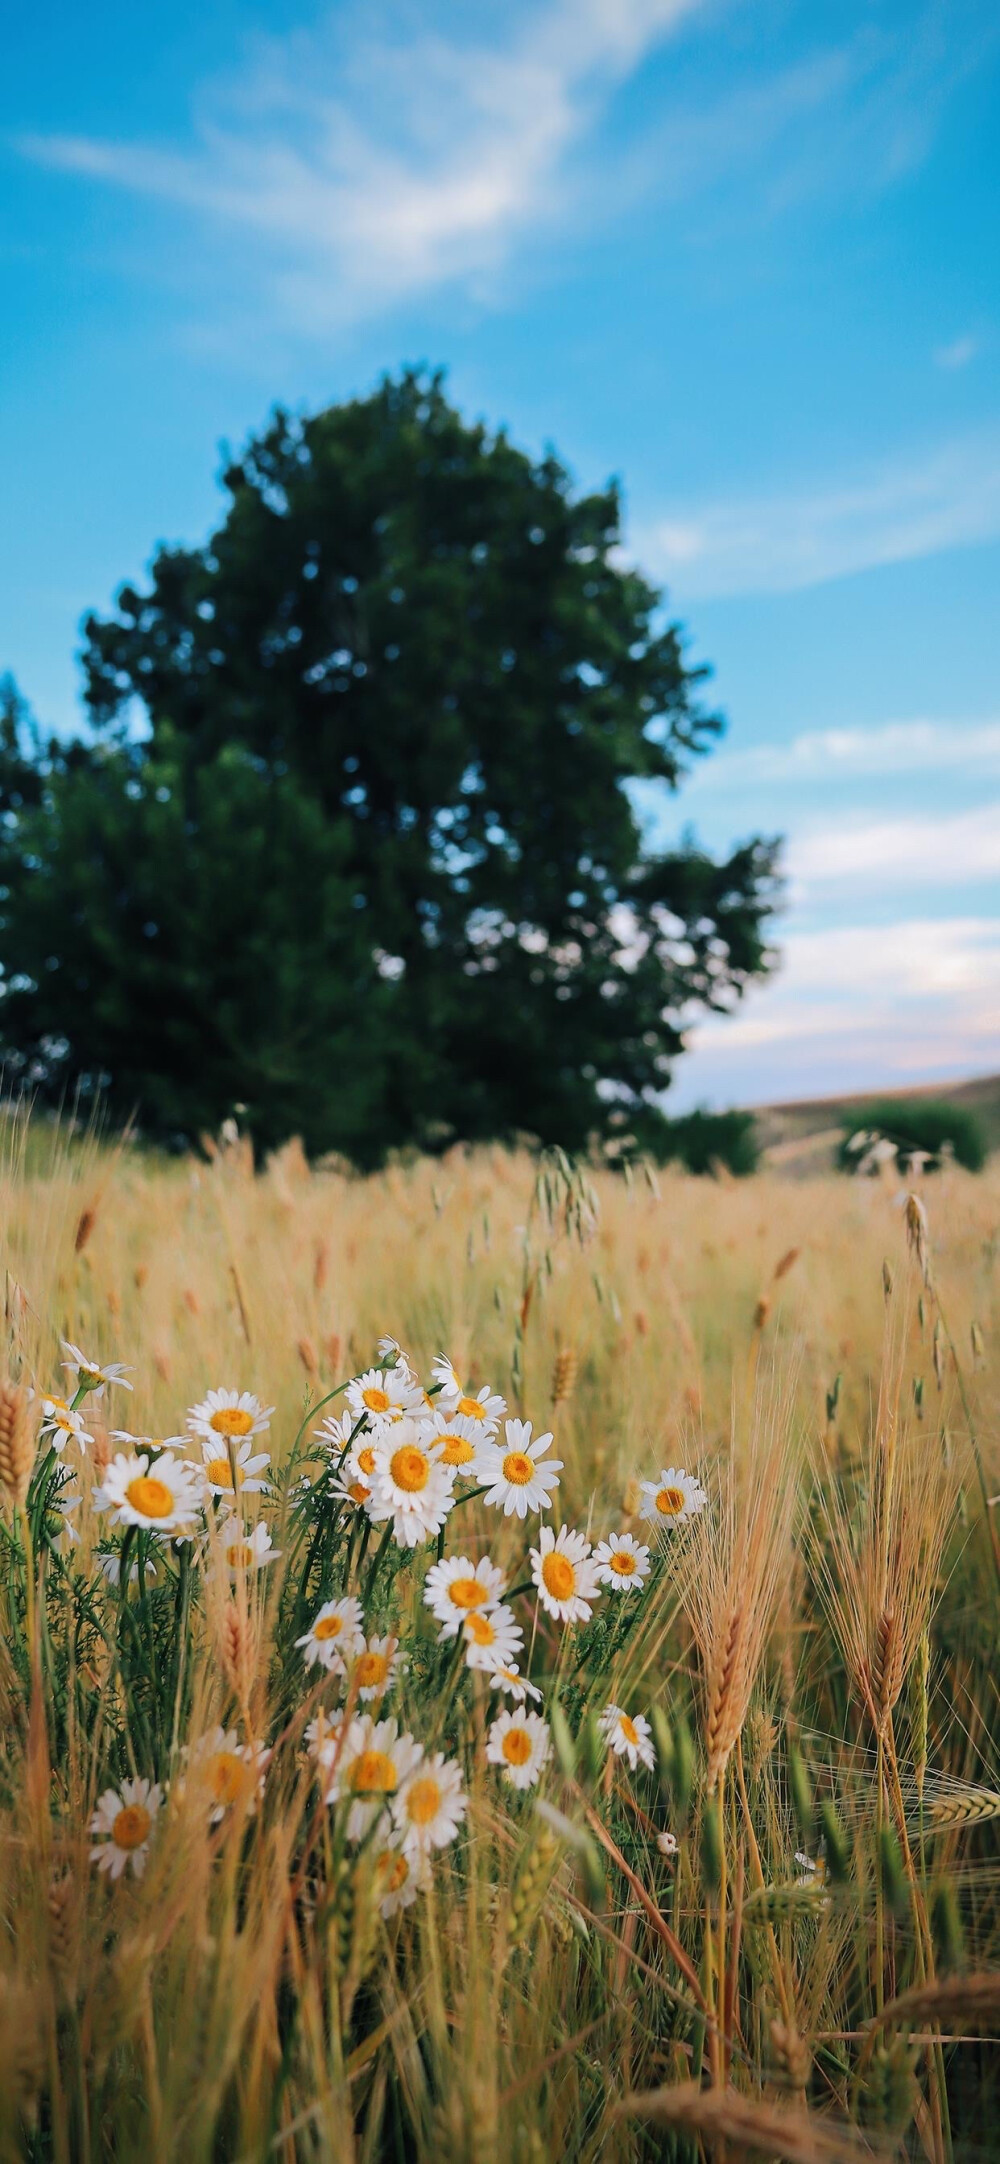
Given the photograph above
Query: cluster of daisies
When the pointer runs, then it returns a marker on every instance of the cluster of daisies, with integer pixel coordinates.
(402, 1457)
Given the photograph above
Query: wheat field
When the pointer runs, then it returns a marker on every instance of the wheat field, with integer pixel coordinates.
(290, 1867)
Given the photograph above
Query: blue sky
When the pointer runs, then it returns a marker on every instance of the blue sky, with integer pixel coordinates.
(744, 256)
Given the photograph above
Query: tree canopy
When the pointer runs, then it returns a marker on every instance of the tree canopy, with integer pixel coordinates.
(373, 865)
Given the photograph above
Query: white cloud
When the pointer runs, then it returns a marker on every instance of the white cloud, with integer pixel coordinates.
(916, 851)
(375, 161)
(857, 1007)
(958, 354)
(832, 756)
(939, 499)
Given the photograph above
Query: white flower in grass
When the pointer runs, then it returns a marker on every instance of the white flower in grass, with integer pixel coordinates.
(516, 1473)
(667, 1844)
(454, 1587)
(229, 1416)
(224, 1772)
(152, 1444)
(93, 1374)
(161, 1495)
(430, 1805)
(382, 1396)
(622, 1563)
(64, 1502)
(482, 1410)
(121, 1826)
(673, 1498)
(335, 1635)
(628, 1736)
(456, 1446)
(333, 1435)
(243, 1549)
(374, 1761)
(110, 1567)
(520, 1743)
(323, 1733)
(493, 1639)
(409, 1484)
(565, 1573)
(399, 1877)
(60, 1425)
(515, 1686)
(374, 1666)
(354, 1491)
(218, 1468)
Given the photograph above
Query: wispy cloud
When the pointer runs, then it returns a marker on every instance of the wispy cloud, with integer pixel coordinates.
(374, 162)
(918, 852)
(858, 1007)
(958, 353)
(893, 749)
(943, 498)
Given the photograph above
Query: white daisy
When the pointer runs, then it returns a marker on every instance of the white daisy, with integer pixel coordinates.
(229, 1416)
(457, 1446)
(122, 1823)
(430, 1805)
(672, 1498)
(512, 1471)
(323, 1733)
(520, 1743)
(628, 1736)
(219, 1470)
(152, 1444)
(110, 1567)
(565, 1573)
(335, 1635)
(64, 1502)
(243, 1549)
(409, 1484)
(334, 1435)
(374, 1666)
(399, 1877)
(93, 1374)
(356, 1492)
(160, 1494)
(382, 1396)
(456, 1586)
(225, 1772)
(622, 1563)
(493, 1639)
(60, 1425)
(481, 1409)
(514, 1685)
(374, 1761)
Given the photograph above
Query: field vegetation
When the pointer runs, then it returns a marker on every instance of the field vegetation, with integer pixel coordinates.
(290, 1867)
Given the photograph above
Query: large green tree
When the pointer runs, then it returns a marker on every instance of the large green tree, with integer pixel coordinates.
(374, 866)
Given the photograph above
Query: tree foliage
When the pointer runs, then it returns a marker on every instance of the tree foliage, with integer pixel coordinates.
(374, 868)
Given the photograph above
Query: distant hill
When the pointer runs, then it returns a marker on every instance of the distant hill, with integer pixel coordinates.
(804, 1133)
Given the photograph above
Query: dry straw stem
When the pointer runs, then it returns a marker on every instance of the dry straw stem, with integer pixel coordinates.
(723, 2116)
(734, 1568)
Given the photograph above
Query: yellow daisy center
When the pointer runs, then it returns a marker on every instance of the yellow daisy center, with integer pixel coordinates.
(623, 1562)
(329, 1626)
(558, 1576)
(518, 1468)
(395, 1870)
(423, 1801)
(481, 1629)
(151, 1498)
(358, 1492)
(220, 1473)
(516, 1746)
(240, 1555)
(471, 1408)
(371, 1668)
(373, 1769)
(467, 1593)
(670, 1502)
(228, 1776)
(409, 1468)
(131, 1826)
(377, 1401)
(458, 1450)
(231, 1420)
(628, 1729)
(366, 1459)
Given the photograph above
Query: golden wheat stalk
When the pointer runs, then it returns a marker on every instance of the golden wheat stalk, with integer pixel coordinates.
(564, 1373)
(973, 2000)
(763, 2129)
(17, 1442)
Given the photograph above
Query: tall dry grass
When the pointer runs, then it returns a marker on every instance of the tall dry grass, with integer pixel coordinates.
(783, 1942)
